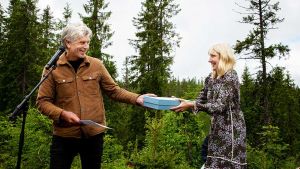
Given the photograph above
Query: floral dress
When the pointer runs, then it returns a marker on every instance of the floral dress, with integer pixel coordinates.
(220, 98)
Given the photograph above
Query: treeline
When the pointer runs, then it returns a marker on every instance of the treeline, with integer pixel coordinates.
(144, 138)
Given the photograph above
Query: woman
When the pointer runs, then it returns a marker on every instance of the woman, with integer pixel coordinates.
(221, 99)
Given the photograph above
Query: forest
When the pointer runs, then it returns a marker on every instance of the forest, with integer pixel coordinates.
(147, 138)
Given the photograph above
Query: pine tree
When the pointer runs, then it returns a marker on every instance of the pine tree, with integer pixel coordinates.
(262, 15)
(21, 53)
(97, 21)
(2, 33)
(2, 26)
(67, 15)
(2, 55)
(250, 106)
(285, 112)
(155, 41)
(284, 108)
(48, 44)
(126, 74)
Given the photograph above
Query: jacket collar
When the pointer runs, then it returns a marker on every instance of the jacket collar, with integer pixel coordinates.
(63, 60)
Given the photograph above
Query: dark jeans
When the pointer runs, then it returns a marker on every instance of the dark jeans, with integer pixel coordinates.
(204, 149)
(63, 150)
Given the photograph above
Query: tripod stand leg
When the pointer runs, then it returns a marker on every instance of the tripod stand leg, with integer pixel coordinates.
(22, 135)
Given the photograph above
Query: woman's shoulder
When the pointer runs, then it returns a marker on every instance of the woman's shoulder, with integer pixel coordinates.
(231, 74)
(231, 77)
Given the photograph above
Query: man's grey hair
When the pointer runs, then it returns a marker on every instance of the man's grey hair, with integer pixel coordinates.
(74, 31)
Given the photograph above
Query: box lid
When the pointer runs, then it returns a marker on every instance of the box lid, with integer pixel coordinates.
(162, 100)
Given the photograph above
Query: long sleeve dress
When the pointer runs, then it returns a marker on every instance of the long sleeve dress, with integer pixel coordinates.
(220, 98)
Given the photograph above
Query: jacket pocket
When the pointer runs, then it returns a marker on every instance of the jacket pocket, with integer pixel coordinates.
(90, 83)
(65, 87)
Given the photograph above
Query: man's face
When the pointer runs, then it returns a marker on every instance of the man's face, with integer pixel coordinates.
(78, 48)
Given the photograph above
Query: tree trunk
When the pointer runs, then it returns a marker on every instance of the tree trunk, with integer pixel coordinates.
(266, 116)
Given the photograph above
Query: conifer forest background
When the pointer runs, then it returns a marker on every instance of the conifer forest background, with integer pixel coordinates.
(146, 138)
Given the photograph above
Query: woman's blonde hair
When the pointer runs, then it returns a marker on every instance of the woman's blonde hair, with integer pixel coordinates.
(227, 59)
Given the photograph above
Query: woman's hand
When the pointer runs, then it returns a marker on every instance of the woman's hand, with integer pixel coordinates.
(184, 105)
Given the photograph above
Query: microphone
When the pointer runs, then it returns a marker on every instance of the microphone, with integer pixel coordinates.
(55, 57)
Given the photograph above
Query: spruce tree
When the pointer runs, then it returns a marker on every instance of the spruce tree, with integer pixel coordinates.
(102, 33)
(250, 105)
(2, 26)
(2, 55)
(47, 34)
(67, 15)
(2, 33)
(284, 108)
(262, 14)
(154, 43)
(21, 53)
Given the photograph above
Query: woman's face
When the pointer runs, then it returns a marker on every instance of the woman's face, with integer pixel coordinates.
(214, 59)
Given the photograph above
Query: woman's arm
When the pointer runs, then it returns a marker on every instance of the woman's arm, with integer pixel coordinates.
(186, 104)
(227, 92)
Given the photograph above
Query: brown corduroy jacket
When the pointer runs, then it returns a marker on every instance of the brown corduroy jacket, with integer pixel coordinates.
(80, 93)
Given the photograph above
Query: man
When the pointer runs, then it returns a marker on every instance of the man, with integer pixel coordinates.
(73, 92)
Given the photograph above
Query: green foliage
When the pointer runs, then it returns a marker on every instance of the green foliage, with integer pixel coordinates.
(97, 21)
(113, 155)
(257, 159)
(262, 14)
(155, 41)
(49, 43)
(271, 153)
(185, 88)
(2, 54)
(172, 141)
(128, 123)
(2, 28)
(250, 106)
(153, 155)
(272, 144)
(282, 113)
(36, 144)
(21, 59)
(185, 133)
(67, 14)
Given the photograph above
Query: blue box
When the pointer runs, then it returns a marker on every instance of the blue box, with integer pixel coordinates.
(160, 103)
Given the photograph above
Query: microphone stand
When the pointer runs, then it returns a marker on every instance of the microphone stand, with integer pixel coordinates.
(23, 107)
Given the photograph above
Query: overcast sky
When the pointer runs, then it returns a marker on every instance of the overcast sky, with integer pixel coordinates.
(201, 23)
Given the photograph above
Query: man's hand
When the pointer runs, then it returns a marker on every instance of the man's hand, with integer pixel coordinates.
(140, 99)
(70, 117)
